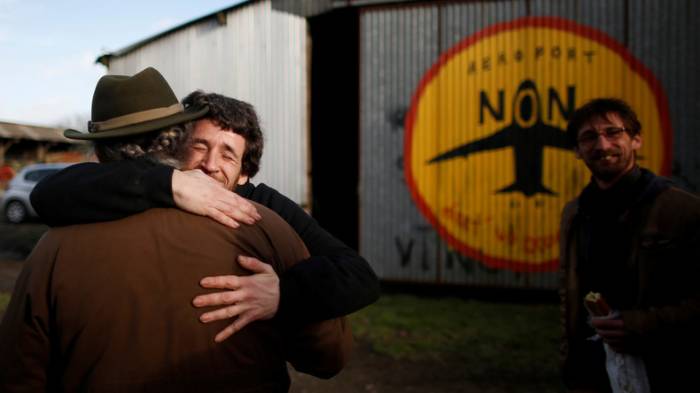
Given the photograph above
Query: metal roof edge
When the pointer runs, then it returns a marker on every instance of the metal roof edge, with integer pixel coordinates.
(312, 8)
(20, 131)
(104, 58)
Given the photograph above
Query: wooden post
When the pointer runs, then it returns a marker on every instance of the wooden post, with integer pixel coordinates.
(4, 147)
(41, 149)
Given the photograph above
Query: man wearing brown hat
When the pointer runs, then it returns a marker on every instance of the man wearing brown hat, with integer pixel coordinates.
(105, 306)
(335, 280)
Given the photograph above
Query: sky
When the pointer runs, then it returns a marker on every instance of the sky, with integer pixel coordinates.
(48, 50)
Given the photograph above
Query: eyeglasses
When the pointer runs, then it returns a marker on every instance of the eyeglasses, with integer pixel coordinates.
(589, 137)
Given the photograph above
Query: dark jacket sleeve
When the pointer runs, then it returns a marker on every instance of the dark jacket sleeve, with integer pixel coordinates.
(334, 281)
(92, 192)
(320, 349)
(669, 256)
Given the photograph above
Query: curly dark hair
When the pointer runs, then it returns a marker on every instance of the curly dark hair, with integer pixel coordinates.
(235, 116)
(601, 107)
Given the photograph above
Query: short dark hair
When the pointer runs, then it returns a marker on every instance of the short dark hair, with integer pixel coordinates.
(601, 107)
(235, 116)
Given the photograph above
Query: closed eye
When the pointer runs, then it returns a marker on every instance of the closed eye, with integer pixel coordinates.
(230, 157)
(199, 146)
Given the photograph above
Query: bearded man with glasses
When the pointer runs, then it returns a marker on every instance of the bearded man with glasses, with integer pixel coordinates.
(633, 237)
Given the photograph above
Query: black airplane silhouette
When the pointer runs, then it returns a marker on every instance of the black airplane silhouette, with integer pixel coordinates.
(528, 143)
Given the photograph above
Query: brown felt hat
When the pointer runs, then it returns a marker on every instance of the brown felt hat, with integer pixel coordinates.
(130, 105)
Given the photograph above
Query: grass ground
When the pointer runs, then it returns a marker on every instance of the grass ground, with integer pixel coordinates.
(4, 299)
(490, 342)
(443, 344)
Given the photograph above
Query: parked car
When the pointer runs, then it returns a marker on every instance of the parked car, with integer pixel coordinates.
(15, 202)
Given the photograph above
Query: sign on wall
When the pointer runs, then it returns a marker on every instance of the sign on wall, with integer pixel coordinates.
(485, 154)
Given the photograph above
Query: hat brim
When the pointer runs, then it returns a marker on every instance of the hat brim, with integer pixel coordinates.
(139, 128)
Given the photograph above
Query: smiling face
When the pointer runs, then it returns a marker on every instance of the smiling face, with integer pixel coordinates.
(217, 152)
(607, 148)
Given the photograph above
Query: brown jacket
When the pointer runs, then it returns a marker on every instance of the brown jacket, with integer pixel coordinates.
(107, 307)
(666, 317)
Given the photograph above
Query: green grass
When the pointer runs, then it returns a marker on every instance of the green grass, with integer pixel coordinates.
(490, 342)
(4, 300)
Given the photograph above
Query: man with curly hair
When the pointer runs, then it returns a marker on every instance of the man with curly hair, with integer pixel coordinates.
(333, 281)
(107, 306)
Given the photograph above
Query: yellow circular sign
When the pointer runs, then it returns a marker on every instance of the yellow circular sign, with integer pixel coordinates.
(485, 152)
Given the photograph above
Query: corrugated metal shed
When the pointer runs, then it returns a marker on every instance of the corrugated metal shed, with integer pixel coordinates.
(250, 52)
(16, 131)
(463, 172)
(462, 169)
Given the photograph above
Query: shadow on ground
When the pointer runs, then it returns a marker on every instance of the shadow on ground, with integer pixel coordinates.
(18, 240)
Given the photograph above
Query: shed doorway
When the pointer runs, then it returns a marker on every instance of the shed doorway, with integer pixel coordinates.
(334, 122)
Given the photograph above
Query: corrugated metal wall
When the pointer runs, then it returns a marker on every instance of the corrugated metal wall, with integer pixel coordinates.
(260, 56)
(453, 220)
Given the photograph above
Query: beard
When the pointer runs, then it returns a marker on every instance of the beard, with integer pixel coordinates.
(607, 165)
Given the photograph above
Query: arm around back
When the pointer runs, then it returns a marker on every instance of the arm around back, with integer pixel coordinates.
(321, 349)
(333, 282)
(93, 192)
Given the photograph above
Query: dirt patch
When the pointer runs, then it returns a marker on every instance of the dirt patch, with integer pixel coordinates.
(9, 270)
(17, 241)
(373, 373)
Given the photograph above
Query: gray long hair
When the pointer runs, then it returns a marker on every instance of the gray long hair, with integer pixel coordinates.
(166, 146)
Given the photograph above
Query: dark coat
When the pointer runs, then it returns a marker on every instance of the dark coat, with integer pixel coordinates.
(665, 319)
(107, 307)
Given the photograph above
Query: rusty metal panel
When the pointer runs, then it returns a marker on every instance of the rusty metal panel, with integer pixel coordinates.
(395, 47)
(605, 15)
(664, 34)
(464, 162)
(254, 54)
(461, 20)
